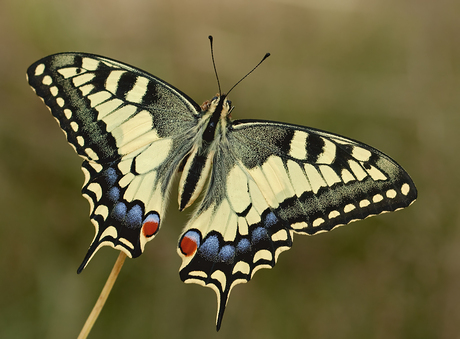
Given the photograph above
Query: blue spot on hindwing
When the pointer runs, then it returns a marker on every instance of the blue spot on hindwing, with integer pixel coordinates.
(114, 194)
(258, 234)
(119, 211)
(111, 176)
(134, 217)
(210, 248)
(227, 253)
(243, 246)
(270, 220)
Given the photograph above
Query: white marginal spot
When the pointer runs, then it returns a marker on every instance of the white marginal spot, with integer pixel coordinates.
(298, 226)
(90, 64)
(83, 79)
(318, 222)
(102, 210)
(99, 97)
(329, 175)
(108, 107)
(259, 267)
(241, 266)
(347, 176)
(377, 198)
(375, 173)
(109, 232)
(87, 176)
(47, 80)
(97, 167)
(39, 69)
(112, 81)
(238, 194)
(54, 91)
(364, 203)
(360, 174)
(60, 101)
(281, 235)
(315, 179)
(349, 208)
(361, 154)
(91, 154)
(138, 91)
(405, 188)
(329, 151)
(80, 140)
(220, 277)
(262, 254)
(298, 144)
(279, 250)
(126, 242)
(68, 113)
(391, 194)
(74, 126)
(86, 89)
(198, 274)
(91, 208)
(333, 214)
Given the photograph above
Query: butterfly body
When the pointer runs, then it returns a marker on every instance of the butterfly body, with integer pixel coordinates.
(261, 181)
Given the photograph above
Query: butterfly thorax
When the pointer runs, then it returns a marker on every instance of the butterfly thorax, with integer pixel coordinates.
(199, 160)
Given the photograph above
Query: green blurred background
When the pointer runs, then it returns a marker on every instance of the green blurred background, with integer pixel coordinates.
(383, 72)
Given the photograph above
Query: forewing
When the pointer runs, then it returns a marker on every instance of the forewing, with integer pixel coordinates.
(271, 180)
(132, 130)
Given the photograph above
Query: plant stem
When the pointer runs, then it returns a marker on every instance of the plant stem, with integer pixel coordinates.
(103, 296)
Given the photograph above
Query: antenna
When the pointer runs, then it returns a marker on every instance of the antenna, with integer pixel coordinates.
(211, 39)
(252, 70)
(214, 63)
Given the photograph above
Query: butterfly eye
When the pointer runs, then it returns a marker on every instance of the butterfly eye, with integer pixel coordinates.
(229, 103)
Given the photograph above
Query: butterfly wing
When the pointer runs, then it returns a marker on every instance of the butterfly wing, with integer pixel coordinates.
(132, 130)
(271, 180)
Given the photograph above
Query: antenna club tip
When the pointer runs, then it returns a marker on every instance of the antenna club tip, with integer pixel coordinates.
(210, 37)
(266, 55)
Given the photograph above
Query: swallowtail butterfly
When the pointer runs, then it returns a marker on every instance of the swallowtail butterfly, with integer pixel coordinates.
(264, 181)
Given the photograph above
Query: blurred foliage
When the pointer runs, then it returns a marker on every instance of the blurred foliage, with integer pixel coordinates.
(382, 72)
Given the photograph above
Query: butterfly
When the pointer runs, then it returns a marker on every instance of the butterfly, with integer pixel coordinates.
(261, 181)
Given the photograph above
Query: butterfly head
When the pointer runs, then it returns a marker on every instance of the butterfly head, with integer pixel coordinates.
(220, 104)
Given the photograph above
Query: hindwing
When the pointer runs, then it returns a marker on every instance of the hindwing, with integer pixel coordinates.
(271, 180)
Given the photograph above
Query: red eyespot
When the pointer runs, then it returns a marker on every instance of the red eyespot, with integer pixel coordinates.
(188, 246)
(151, 225)
(189, 243)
